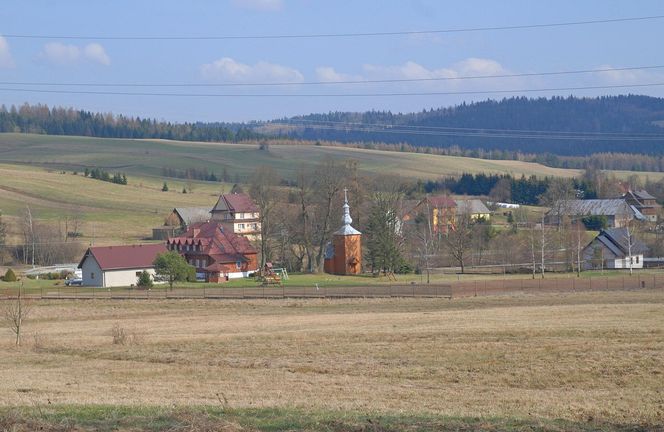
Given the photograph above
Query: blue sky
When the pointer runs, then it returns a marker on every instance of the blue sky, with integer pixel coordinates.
(303, 60)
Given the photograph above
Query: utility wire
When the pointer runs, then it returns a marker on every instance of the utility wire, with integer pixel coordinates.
(338, 35)
(308, 123)
(380, 81)
(480, 134)
(333, 95)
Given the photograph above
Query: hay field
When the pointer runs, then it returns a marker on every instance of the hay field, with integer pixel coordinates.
(150, 156)
(586, 358)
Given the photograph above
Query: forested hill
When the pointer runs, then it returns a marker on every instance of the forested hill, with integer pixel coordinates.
(40, 119)
(619, 117)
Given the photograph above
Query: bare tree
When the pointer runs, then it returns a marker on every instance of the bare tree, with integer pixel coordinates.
(330, 176)
(460, 239)
(263, 184)
(15, 313)
(629, 242)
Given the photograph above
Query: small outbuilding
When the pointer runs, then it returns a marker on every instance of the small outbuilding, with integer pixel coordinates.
(614, 248)
(115, 266)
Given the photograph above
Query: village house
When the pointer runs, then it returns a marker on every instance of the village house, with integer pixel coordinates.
(238, 211)
(474, 208)
(644, 203)
(116, 266)
(614, 248)
(441, 210)
(618, 212)
(179, 220)
(215, 251)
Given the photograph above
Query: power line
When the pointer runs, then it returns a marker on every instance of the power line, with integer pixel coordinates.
(308, 122)
(339, 35)
(397, 131)
(334, 95)
(380, 81)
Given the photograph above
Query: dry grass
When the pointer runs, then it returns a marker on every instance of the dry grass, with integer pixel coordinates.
(578, 357)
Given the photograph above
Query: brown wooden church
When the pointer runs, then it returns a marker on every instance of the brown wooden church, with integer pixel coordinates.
(344, 253)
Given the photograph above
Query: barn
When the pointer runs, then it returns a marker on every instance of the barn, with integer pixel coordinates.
(115, 266)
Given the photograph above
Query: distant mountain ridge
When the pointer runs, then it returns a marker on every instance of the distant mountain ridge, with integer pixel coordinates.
(623, 116)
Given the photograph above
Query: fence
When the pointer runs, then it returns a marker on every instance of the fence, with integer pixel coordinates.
(450, 290)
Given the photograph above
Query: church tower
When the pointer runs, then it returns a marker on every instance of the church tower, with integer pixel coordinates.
(344, 254)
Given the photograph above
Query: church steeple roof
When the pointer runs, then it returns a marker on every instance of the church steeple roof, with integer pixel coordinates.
(346, 229)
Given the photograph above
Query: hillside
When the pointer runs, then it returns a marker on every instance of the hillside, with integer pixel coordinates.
(151, 157)
(538, 121)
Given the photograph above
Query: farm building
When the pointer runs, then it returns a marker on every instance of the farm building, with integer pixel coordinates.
(614, 248)
(217, 253)
(474, 208)
(238, 211)
(643, 202)
(179, 220)
(617, 211)
(439, 209)
(115, 266)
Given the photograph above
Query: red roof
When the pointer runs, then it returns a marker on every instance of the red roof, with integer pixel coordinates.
(442, 201)
(125, 257)
(221, 244)
(236, 203)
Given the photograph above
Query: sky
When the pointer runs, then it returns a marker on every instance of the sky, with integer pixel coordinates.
(297, 61)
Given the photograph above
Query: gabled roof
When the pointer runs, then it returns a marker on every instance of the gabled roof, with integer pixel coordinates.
(220, 243)
(594, 207)
(192, 215)
(236, 202)
(442, 201)
(642, 194)
(617, 241)
(471, 207)
(124, 257)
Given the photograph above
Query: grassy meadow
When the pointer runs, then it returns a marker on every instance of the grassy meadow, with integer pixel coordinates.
(583, 361)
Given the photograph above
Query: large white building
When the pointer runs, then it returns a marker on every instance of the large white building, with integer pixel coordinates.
(115, 266)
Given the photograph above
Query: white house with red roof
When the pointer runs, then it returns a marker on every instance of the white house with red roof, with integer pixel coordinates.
(216, 251)
(116, 266)
(240, 213)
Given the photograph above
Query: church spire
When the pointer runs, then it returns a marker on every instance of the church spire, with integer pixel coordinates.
(346, 229)
(346, 219)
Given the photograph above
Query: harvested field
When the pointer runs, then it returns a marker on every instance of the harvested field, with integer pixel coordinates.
(581, 357)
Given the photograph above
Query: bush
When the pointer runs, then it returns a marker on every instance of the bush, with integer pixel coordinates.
(123, 337)
(10, 276)
(144, 280)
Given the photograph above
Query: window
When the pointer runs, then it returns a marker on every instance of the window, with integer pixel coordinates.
(92, 275)
(138, 274)
(637, 259)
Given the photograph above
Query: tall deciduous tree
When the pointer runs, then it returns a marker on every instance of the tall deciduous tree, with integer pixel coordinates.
(262, 188)
(459, 240)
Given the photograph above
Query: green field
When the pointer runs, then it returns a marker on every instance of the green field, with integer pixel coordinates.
(148, 157)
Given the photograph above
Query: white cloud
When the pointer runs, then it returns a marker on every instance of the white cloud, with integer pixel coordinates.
(97, 53)
(411, 70)
(260, 5)
(6, 60)
(329, 74)
(227, 69)
(59, 53)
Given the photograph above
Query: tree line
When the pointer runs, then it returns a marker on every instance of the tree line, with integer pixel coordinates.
(40, 119)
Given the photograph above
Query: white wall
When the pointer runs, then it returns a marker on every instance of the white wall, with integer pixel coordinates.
(623, 263)
(123, 278)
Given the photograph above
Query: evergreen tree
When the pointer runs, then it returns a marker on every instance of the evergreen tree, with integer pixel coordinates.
(164, 188)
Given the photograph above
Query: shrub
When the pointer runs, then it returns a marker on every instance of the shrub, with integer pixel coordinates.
(144, 280)
(10, 276)
(123, 337)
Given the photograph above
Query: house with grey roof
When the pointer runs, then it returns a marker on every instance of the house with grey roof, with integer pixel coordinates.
(618, 212)
(643, 202)
(474, 208)
(179, 221)
(614, 248)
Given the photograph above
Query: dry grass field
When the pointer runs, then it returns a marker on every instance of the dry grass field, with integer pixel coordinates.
(583, 361)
